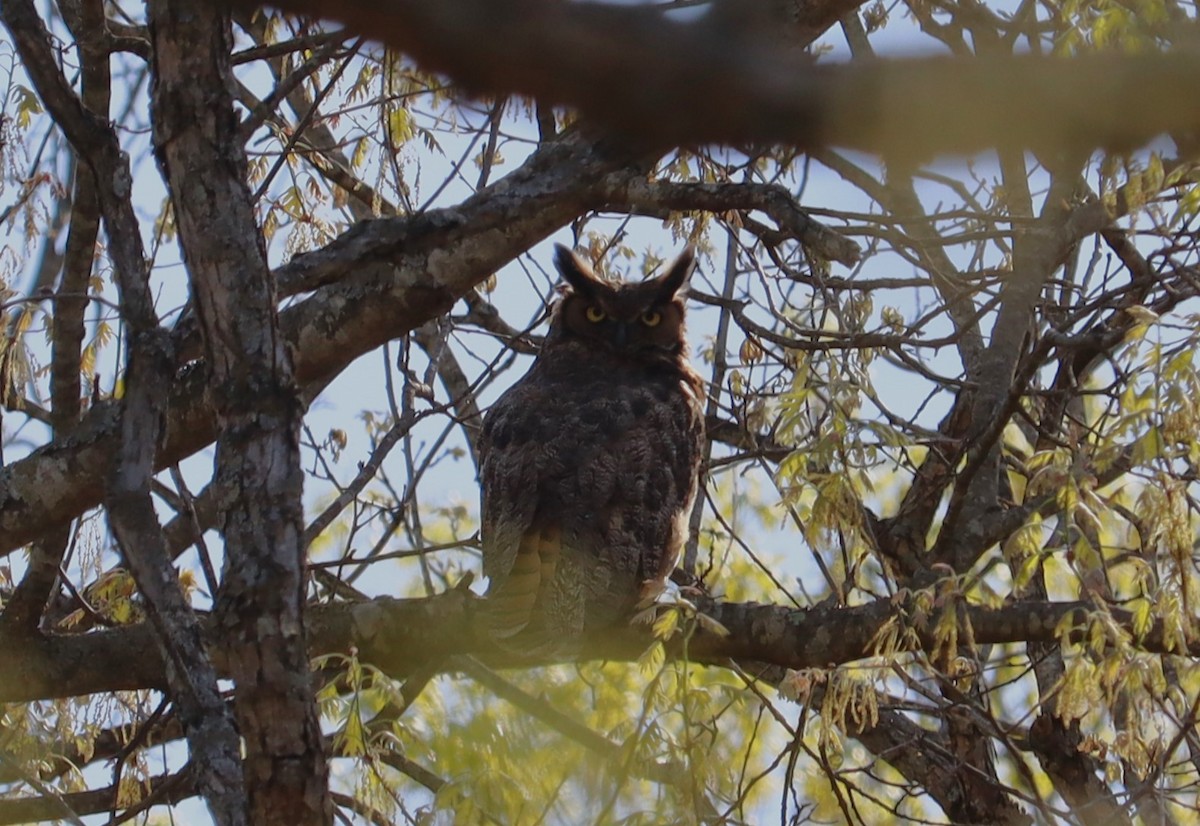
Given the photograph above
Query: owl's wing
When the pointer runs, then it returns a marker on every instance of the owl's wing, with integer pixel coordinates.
(641, 485)
(518, 558)
(585, 497)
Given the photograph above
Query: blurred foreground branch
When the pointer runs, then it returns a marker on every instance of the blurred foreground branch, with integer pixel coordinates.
(730, 77)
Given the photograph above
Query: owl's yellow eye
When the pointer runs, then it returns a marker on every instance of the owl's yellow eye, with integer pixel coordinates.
(594, 314)
(651, 318)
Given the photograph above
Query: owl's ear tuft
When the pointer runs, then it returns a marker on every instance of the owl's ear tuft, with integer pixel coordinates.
(678, 275)
(574, 271)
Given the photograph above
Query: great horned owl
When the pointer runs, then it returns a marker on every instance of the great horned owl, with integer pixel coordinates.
(591, 461)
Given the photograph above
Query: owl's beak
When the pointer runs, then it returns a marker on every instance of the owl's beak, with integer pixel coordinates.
(621, 333)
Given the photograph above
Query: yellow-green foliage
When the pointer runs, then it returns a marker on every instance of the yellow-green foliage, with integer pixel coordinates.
(514, 767)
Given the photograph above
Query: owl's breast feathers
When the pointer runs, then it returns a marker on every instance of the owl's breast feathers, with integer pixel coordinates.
(587, 485)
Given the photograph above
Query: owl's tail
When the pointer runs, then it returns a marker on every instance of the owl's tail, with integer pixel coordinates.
(513, 602)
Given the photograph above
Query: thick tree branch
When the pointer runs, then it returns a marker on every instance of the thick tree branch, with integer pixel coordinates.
(1037, 253)
(927, 758)
(258, 408)
(403, 635)
(667, 83)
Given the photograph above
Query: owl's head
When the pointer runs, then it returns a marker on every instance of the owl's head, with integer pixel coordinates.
(643, 319)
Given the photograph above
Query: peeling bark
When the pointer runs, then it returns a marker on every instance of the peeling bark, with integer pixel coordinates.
(258, 480)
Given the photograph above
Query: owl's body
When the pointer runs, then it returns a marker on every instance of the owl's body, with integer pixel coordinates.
(590, 463)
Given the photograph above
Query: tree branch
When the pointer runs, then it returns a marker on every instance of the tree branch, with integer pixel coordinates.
(258, 408)
(667, 83)
(193, 685)
(163, 790)
(400, 636)
(633, 193)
